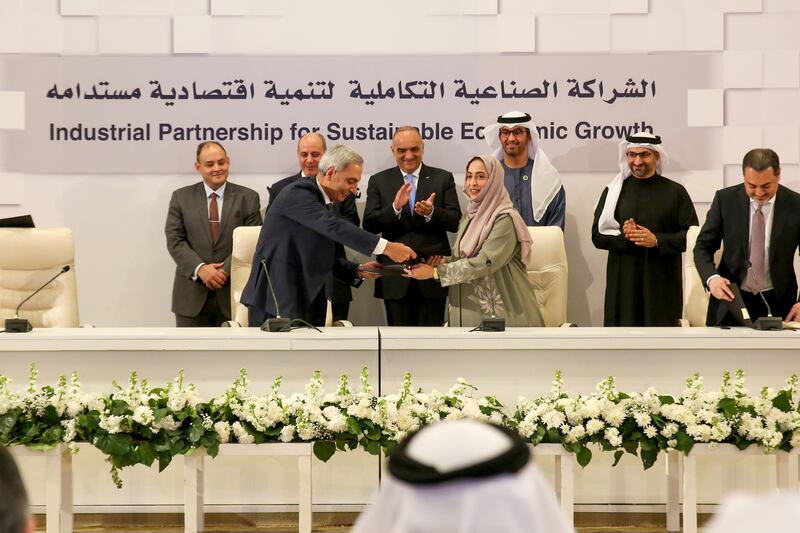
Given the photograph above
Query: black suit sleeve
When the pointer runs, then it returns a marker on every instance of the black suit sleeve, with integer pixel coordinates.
(379, 214)
(708, 241)
(349, 211)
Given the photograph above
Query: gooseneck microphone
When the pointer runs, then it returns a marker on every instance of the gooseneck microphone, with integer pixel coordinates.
(277, 323)
(22, 325)
(769, 322)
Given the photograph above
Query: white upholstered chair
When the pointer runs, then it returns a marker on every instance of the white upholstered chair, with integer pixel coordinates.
(245, 239)
(548, 274)
(28, 258)
(695, 297)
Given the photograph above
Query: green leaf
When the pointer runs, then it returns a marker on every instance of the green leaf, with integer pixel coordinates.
(389, 446)
(617, 456)
(684, 442)
(783, 401)
(50, 416)
(147, 454)
(164, 459)
(159, 414)
(178, 446)
(630, 446)
(666, 400)
(119, 407)
(553, 436)
(353, 426)
(324, 450)
(196, 432)
(8, 421)
(372, 446)
(648, 457)
(728, 407)
(114, 445)
(583, 456)
(647, 445)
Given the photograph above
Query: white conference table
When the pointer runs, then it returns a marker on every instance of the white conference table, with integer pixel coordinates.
(519, 361)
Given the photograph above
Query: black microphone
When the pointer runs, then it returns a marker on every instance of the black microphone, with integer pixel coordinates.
(769, 322)
(277, 323)
(21, 325)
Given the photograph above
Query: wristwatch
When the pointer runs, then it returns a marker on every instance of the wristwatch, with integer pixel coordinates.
(436, 273)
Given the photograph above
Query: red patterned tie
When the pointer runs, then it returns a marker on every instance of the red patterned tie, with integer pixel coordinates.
(754, 281)
(213, 217)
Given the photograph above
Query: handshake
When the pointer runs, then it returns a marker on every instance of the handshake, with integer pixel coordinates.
(397, 252)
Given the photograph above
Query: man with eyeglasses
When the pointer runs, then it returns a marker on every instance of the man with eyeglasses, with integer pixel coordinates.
(199, 231)
(641, 219)
(416, 205)
(531, 179)
(310, 149)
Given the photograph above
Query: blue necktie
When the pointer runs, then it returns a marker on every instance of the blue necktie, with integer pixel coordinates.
(413, 198)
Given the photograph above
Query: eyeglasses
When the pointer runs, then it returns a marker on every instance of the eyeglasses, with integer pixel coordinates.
(478, 177)
(516, 132)
(641, 155)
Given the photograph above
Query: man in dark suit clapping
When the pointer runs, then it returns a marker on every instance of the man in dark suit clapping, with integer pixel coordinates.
(199, 230)
(758, 224)
(417, 205)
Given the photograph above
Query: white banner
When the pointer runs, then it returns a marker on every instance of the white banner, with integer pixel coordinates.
(147, 114)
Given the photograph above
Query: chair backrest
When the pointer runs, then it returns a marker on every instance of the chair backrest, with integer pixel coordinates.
(695, 296)
(548, 274)
(245, 239)
(29, 257)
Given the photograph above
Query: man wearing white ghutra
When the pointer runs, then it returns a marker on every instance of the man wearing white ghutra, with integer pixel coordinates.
(641, 219)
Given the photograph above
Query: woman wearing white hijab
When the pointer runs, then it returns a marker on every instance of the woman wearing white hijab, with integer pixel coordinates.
(462, 476)
(487, 272)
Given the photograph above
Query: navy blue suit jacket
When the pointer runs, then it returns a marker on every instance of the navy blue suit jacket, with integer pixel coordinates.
(298, 241)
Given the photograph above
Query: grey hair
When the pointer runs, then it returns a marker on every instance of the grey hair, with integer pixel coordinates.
(339, 157)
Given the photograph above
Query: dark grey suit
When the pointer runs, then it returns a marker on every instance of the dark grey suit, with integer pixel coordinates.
(189, 242)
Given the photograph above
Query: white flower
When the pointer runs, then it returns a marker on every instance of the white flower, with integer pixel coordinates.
(650, 431)
(69, 434)
(287, 434)
(93, 402)
(223, 430)
(242, 436)
(112, 424)
(143, 415)
(613, 437)
(593, 426)
(168, 423)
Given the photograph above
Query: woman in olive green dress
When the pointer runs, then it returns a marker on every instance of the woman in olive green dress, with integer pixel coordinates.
(486, 273)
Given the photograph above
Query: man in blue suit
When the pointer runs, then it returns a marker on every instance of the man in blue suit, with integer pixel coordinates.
(298, 244)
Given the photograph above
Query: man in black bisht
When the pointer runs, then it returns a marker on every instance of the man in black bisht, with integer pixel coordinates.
(641, 219)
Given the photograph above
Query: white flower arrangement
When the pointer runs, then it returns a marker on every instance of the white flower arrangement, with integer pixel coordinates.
(139, 425)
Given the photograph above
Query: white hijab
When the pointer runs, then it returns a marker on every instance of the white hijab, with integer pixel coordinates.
(607, 224)
(545, 180)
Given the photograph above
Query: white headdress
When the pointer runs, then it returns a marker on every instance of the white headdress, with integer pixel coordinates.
(545, 181)
(462, 476)
(745, 513)
(607, 224)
